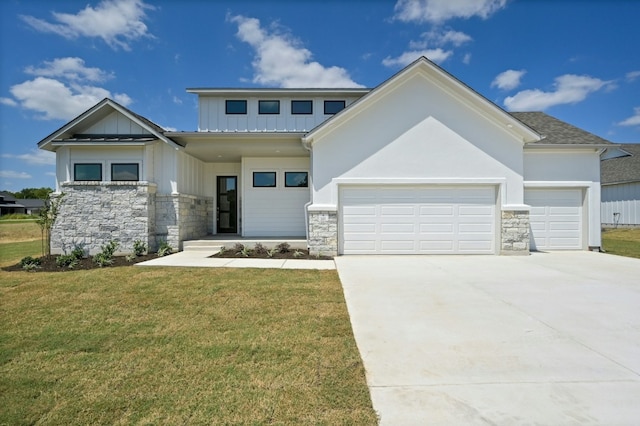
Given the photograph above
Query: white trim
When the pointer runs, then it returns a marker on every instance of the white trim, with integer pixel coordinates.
(557, 184)
(500, 182)
(322, 208)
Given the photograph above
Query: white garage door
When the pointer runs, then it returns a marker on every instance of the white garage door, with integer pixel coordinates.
(556, 218)
(417, 220)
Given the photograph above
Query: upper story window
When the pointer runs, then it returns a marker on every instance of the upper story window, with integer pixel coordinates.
(87, 171)
(125, 171)
(301, 107)
(236, 107)
(268, 107)
(333, 107)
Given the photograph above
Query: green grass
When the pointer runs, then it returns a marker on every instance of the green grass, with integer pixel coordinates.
(178, 346)
(17, 216)
(622, 241)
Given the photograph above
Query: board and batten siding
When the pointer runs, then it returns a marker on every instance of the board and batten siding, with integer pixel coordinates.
(214, 119)
(115, 124)
(621, 198)
(273, 212)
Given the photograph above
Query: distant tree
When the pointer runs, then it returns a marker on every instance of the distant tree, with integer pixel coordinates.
(33, 193)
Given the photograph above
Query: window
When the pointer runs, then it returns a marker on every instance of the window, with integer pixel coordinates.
(333, 107)
(264, 179)
(125, 171)
(301, 107)
(296, 179)
(268, 107)
(236, 107)
(87, 171)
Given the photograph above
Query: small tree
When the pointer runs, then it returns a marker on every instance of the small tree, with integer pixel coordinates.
(46, 219)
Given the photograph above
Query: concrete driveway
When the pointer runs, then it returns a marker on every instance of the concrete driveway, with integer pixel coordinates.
(551, 338)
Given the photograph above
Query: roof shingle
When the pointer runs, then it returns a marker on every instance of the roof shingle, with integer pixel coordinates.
(555, 131)
(622, 169)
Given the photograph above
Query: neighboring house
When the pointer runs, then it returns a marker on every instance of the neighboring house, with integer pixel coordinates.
(620, 175)
(10, 204)
(419, 164)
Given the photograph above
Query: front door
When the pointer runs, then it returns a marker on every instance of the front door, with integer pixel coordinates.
(227, 201)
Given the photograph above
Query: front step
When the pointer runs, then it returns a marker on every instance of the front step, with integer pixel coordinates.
(201, 245)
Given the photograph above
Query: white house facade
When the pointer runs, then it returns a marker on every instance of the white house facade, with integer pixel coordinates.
(421, 164)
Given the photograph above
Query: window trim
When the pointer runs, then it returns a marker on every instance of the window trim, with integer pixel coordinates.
(326, 102)
(86, 180)
(301, 101)
(295, 186)
(125, 164)
(275, 179)
(260, 102)
(227, 103)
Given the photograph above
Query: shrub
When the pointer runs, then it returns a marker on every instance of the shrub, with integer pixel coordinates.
(298, 253)
(77, 252)
(67, 261)
(272, 252)
(260, 250)
(283, 247)
(164, 249)
(30, 263)
(105, 257)
(245, 252)
(139, 248)
(130, 257)
(237, 247)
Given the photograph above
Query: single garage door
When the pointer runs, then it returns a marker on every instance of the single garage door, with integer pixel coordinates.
(556, 218)
(417, 220)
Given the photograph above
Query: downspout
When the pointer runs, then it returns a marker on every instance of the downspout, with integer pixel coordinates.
(307, 145)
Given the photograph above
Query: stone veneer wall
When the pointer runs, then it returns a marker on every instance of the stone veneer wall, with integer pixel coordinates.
(323, 233)
(93, 213)
(515, 232)
(182, 217)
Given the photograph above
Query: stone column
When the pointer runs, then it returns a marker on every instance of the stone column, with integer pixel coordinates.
(323, 232)
(515, 232)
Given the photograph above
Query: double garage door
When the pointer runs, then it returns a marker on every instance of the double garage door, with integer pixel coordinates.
(556, 218)
(418, 220)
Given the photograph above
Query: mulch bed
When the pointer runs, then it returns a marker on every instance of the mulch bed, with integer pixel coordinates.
(48, 263)
(234, 253)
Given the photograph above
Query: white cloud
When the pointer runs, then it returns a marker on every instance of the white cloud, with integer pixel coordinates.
(8, 101)
(568, 89)
(634, 120)
(439, 11)
(63, 89)
(56, 100)
(281, 61)
(632, 76)
(10, 174)
(508, 80)
(466, 59)
(436, 55)
(36, 157)
(117, 22)
(69, 68)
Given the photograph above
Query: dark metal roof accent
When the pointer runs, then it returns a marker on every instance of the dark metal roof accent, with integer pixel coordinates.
(555, 131)
(623, 169)
(109, 138)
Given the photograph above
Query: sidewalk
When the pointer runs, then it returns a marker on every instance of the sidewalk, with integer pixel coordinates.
(201, 259)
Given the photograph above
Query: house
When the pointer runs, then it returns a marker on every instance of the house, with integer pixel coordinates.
(620, 177)
(420, 164)
(10, 204)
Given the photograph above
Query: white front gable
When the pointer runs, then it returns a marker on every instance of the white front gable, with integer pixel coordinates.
(419, 132)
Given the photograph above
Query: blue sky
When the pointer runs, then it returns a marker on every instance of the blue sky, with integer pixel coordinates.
(576, 60)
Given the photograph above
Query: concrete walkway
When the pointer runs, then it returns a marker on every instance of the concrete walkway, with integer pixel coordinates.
(201, 259)
(551, 338)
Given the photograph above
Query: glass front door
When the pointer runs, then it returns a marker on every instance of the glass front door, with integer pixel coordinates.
(227, 201)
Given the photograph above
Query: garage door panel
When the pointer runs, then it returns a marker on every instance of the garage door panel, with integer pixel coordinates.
(434, 220)
(406, 228)
(360, 227)
(555, 218)
(426, 228)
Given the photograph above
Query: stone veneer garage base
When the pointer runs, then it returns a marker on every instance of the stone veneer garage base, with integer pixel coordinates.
(93, 213)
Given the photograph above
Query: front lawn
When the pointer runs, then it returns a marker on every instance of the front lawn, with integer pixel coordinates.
(178, 346)
(622, 241)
